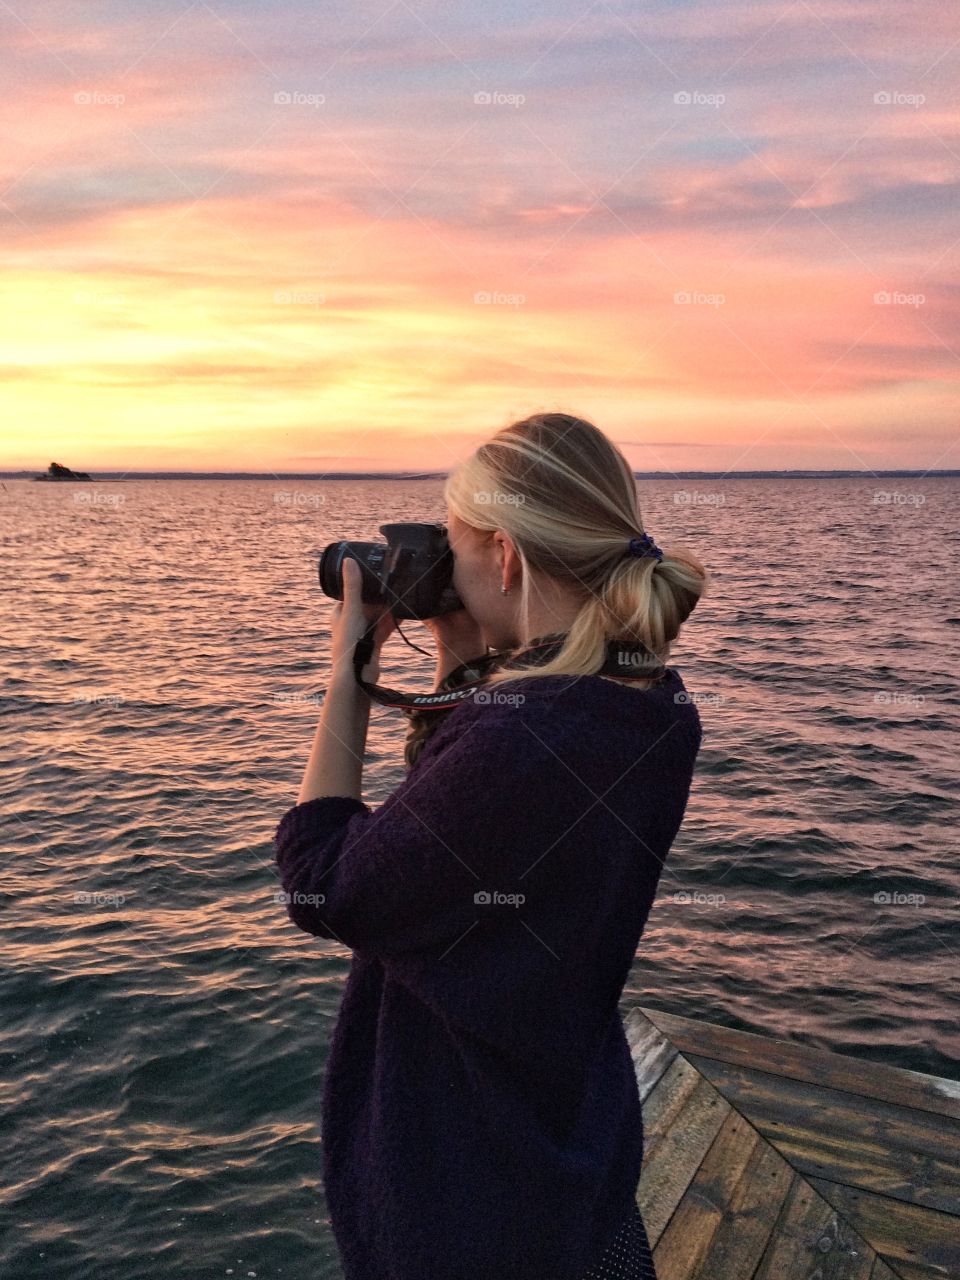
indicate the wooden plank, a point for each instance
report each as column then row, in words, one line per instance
column 901, row 1127
column 912, row 1239
column 752, row 1214
column 815, row 1066
column 723, row 1222
column 810, row 1239
column 882, row 1272
column 908, row 1271
column 679, row 1145
column 843, row 1137
column 650, row 1049
column 866, row 1168
column 911, row 1271
column 768, row 1159
column 667, row 1100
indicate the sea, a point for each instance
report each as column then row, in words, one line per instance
column 165, row 1026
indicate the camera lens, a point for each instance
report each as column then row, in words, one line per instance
column 369, row 555
column 329, row 570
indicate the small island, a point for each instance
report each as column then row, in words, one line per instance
column 56, row 472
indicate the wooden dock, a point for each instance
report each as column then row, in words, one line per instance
column 769, row 1160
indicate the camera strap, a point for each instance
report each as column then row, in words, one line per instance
column 624, row 661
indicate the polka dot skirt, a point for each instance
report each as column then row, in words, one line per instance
column 628, row 1256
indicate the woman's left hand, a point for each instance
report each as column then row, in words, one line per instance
column 350, row 619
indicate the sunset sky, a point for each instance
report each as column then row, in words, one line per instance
column 265, row 237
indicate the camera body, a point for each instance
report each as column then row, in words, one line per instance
column 411, row 573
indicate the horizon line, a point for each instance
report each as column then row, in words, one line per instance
column 781, row 473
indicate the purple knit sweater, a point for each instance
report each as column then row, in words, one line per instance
column 481, row 1119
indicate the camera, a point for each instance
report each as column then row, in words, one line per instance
column 411, row 573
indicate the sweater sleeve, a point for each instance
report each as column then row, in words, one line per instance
column 481, row 817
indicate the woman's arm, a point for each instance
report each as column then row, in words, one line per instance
column 335, row 766
column 406, row 875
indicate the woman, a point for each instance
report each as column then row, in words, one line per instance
column 481, row 1119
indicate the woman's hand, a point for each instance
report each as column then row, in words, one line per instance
column 458, row 631
column 349, row 620
column 458, row 638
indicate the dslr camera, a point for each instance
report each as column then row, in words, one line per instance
column 410, row 573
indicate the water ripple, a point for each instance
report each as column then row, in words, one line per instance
column 166, row 1028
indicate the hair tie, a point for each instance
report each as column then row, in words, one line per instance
column 644, row 546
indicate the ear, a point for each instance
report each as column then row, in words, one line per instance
column 506, row 549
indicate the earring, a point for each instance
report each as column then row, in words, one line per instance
column 503, row 589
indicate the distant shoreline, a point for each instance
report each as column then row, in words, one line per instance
column 120, row 476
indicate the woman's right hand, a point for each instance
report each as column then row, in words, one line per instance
column 458, row 637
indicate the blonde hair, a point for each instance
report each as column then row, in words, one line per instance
column 568, row 498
